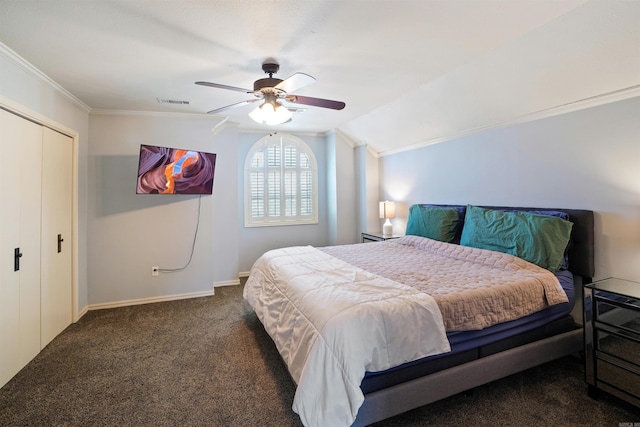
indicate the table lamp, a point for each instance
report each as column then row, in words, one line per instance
column 387, row 210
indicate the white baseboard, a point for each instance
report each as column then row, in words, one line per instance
column 163, row 298
column 125, row 303
column 227, row 283
column 243, row 274
column 151, row 300
column 82, row 313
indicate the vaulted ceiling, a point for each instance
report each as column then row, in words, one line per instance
column 410, row 72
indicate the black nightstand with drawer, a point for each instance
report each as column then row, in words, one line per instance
column 612, row 338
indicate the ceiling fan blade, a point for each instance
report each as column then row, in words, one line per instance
column 316, row 102
column 229, row 107
column 295, row 82
column 219, row 86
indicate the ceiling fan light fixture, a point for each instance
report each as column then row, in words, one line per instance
column 271, row 113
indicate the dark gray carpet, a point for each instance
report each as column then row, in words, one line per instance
column 208, row 362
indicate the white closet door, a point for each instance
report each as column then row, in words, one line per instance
column 20, row 213
column 57, row 179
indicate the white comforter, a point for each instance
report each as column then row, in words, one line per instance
column 332, row 322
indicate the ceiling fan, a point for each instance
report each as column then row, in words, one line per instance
column 271, row 90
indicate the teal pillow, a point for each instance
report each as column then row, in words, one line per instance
column 432, row 222
column 539, row 239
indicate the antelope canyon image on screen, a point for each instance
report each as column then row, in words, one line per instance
column 163, row 170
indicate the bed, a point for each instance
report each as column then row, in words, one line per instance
column 368, row 331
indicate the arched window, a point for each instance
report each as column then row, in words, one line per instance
column 281, row 183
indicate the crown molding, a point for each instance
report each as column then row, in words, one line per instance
column 224, row 124
column 344, row 137
column 373, row 152
column 33, row 71
column 581, row 104
column 109, row 112
column 34, row 116
column 353, row 143
column 253, row 130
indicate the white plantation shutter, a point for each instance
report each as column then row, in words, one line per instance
column 290, row 193
column 273, row 190
column 280, row 183
column 306, row 193
column 256, row 179
column 257, row 194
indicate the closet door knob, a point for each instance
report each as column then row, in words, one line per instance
column 16, row 259
column 60, row 240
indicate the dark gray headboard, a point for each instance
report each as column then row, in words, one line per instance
column 581, row 250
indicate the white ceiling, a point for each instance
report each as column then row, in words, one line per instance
column 410, row 72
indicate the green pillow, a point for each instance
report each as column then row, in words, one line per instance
column 432, row 222
column 539, row 239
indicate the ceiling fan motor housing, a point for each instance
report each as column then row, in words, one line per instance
column 269, row 82
column 266, row 82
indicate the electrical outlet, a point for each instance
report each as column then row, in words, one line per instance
column 155, row 270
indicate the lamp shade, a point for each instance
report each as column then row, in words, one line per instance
column 387, row 209
column 271, row 112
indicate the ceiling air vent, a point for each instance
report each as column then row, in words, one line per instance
column 172, row 101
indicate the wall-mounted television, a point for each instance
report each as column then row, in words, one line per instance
column 163, row 170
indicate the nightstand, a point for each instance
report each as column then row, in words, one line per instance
column 612, row 338
column 377, row 236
